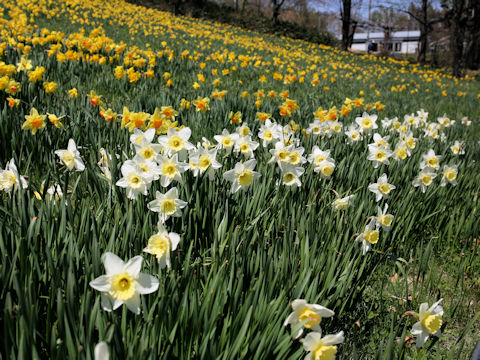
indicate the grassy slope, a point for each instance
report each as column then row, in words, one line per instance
column 242, row 258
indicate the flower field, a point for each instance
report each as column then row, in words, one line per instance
column 178, row 189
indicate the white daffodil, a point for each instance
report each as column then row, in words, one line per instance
column 226, row 140
column 315, row 128
column 378, row 155
column 317, row 156
column 367, row 122
column 149, row 168
column 161, row 244
column 430, row 160
column 281, row 152
column 410, row 141
column 384, row 219
column 310, row 315
column 10, row 178
column 381, row 141
column 458, row 148
column 353, row 133
column 171, row 169
column 430, row 322
column 449, row 175
column 369, row 237
column 71, row 157
column 101, row 351
column 132, row 180
column 269, row 132
column 139, row 136
column 387, row 123
column 167, row 204
column 343, row 203
column 296, row 156
column 246, row 146
column 411, row 120
column 381, row 188
column 401, row 151
column 147, row 150
column 336, row 127
column 103, row 163
column 203, row 160
column 325, row 168
column 424, row 179
column 243, row 130
column 465, row 121
column 445, row 121
column 322, row 348
column 291, row 174
column 242, row 176
column 123, row 283
column 54, row 192
column 176, row 142
column 423, row 116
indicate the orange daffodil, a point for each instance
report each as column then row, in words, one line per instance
column 34, row 121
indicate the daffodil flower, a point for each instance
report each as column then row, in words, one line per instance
column 132, row 180
column 322, row 348
column 369, row 237
column 381, row 188
column 291, row 174
column 430, row 161
column 343, row 203
column 71, row 157
column 161, row 244
column 310, row 315
column 123, row 283
column 424, row 179
column 10, row 178
column 242, row 176
column 167, row 204
column 226, row 140
column 450, row 174
column 430, row 322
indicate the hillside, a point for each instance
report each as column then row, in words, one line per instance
column 238, row 172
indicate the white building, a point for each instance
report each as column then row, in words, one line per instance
column 402, row 42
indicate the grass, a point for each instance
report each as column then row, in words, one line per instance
column 242, row 257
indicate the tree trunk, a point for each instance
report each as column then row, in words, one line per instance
column 423, row 43
column 353, row 27
column 387, row 40
column 472, row 50
column 346, row 22
column 458, row 37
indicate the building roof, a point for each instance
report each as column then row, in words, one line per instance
column 396, row 35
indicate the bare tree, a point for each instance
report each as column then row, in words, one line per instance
column 422, row 15
column 349, row 25
column 277, row 5
column 461, row 15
